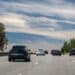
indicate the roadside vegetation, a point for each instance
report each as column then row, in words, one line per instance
column 3, row 38
column 68, row 45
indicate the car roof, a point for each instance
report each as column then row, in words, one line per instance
column 19, row 46
column 55, row 50
column 40, row 49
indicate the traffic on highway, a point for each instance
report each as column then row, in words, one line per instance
column 22, row 52
column 39, row 65
column 37, row 37
column 20, row 61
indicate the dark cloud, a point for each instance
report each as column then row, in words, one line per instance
column 36, row 9
column 66, row 26
column 70, row 1
column 29, row 1
column 18, row 37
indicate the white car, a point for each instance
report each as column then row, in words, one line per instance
column 40, row 52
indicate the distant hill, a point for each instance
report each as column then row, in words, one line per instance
column 15, row 37
column 32, row 41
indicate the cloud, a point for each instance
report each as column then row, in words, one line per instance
column 35, row 18
column 13, row 22
column 66, row 11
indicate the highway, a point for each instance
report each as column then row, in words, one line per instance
column 40, row 65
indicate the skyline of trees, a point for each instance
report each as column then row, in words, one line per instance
column 68, row 45
column 3, row 38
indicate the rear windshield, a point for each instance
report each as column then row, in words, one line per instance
column 18, row 51
column 18, row 47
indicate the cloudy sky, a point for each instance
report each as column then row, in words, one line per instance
column 39, row 23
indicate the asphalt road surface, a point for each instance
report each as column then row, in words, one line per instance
column 40, row 65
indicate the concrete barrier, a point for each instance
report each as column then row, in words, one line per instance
column 3, row 53
column 6, row 53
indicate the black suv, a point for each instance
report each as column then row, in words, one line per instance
column 56, row 52
column 72, row 52
column 18, row 52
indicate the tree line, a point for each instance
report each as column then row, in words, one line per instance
column 3, row 38
column 68, row 45
column 4, row 41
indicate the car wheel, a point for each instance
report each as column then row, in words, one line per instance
column 28, row 59
column 9, row 59
column 59, row 54
column 13, row 60
column 36, row 54
column 69, row 54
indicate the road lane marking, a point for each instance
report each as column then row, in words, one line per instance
column 36, row 63
column 73, row 60
column 20, row 73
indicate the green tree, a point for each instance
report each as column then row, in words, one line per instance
column 68, row 45
column 65, row 47
column 72, row 43
column 3, row 39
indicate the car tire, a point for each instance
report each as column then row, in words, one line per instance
column 59, row 54
column 13, row 60
column 28, row 59
column 36, row 54
column 69, row 54
column 9, row 59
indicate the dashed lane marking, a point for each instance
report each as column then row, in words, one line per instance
column 73, row 60
column 36, row 63
column 20, row 74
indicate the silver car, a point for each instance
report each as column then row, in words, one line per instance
column 40, row 52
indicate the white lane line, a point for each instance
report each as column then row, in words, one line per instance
column 20, row 74
column 73, row 60
column 36, row 63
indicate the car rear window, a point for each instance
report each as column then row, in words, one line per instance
column 18, row 51
column 18, row 47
